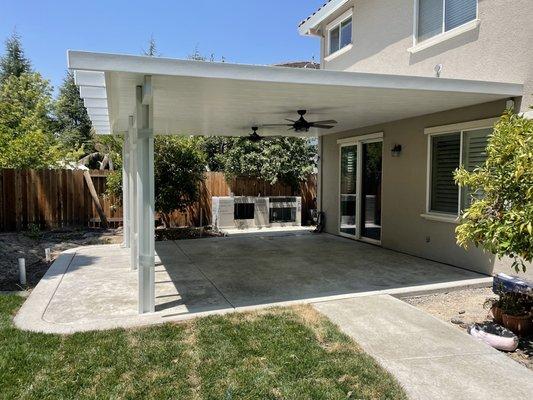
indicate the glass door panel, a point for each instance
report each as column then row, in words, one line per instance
column 348, row 193
column 371, row 190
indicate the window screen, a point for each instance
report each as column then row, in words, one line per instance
column 445, row 158
column 459, row 12
column 438, row 16
column 334, row 35
column 346, row 33
column 474, row 156
column 429, row 18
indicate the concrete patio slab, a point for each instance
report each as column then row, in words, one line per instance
column 93, row 287
column 430, row 359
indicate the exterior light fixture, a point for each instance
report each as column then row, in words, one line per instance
column 396, row 150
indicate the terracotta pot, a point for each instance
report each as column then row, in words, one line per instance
column 521, row 325
column 497, row 314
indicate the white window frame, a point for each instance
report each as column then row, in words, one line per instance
column 356, row 141
column 431, row 132
column 334, row 24
column 444, row 35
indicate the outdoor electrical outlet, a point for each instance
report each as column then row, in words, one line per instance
column 428, row 239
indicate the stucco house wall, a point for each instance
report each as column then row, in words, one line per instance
column 499, row 49
column 404, row 188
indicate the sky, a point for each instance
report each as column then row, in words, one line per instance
column 241, row 31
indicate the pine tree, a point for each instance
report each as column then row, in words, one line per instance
column 74, row 125
column 14, row 62
column 152, row 48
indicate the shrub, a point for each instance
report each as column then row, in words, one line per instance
column 500, row 220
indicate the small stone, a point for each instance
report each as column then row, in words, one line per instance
column 457, row 321
column 462, row 312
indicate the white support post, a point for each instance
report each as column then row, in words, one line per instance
column 132, row 184
column 126, row 217
column 145, row 204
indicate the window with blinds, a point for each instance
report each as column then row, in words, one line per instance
column 444, row 161
column 474, row 156
column 446, row 156
column 439, row 16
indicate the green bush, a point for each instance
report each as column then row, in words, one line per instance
column 500, row 221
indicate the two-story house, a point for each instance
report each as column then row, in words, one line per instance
column 409, row 90
column 392, row 183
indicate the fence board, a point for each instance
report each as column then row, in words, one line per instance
column 60, row 198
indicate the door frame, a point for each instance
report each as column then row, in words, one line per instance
column 357, row 141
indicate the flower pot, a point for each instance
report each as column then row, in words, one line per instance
column 519, row 324
column 497, row 314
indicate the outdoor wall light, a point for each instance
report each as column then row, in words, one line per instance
column 396, row 150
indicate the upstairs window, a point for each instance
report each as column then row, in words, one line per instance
column 340, row 35
column 439, row 16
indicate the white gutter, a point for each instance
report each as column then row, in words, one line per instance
column 308, row 27
column 143, row 65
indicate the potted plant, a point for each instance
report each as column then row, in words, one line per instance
column 516, row 312
column 493, row 304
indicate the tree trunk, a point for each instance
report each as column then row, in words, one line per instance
column 88, row 180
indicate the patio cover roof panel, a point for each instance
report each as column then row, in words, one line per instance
column 191, row 97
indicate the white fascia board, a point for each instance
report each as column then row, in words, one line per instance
column 89, row 78
column 99, row 119
column 95, row 103
column 143, row 65
column 310, row 25
column 93, row 92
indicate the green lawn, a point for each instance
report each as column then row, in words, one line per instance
column 289, row 353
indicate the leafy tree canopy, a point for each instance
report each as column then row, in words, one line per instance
column 26, row 138
column 285, row 159
column 179, row 167
column 500, row 217
column 13, row 62
column 73, row 123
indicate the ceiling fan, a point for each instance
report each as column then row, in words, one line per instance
column 302, row 125
column 254, row 136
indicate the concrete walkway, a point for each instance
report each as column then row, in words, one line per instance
column 430, row 358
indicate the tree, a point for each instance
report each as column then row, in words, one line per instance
column 500, row 217
column 214, row 148
column 286, row 159
column 26, row 134
column 73, row 123
column 151, row 51
column 178, row 171
column 13, row 62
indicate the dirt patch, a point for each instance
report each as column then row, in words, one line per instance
column 463, row 308
column 32, row 245
column 162, row 234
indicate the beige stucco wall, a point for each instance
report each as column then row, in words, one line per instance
column 404, row 188
column 500, row 49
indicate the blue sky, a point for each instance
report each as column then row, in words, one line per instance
column 242, row 31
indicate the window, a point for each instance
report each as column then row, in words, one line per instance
column 447, row 152
column 439, row 16
column 340, row 35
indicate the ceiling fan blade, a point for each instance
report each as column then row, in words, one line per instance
column 327, row 121
column 273, row 125
column 320, row 126
column 290, row 120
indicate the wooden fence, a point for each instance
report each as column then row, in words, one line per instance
column 60, row 198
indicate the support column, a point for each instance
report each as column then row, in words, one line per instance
column 145, row 204
column 125, row 191
column 132, row 185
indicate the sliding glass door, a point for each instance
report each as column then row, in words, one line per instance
column 360, row 188
column 348, row 192
column 371, row 191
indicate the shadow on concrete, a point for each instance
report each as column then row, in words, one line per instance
column 235, row 272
